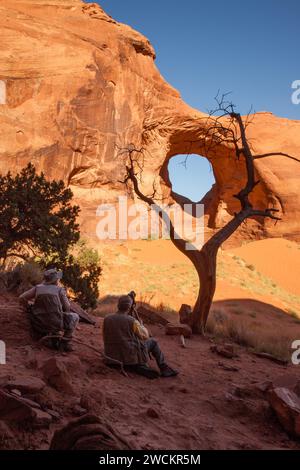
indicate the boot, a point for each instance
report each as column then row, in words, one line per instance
column 144, row 370
column 55, row 343
column 67, row 346
column 167, row 371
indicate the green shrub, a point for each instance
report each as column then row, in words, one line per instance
column 36, row 216
column 30, row 273
column 81, row 273
column 38, row 224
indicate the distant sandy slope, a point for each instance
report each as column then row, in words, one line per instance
column 267, row 271
column 276, row 258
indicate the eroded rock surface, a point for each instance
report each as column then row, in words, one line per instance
column 81, row 86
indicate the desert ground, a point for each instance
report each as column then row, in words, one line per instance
column 265, row 271
column 216, row 402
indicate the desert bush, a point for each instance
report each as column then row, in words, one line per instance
column 81, row 273
column 38, row 224
column 30, row 273
column 22, row 276
column 36, row 216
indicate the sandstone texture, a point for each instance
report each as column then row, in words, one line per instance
column 286, row 405
column 80, row 87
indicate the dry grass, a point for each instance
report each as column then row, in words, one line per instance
column 239, row 331
column 30, row 273
column 109, row 304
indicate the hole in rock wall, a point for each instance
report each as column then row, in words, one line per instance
column 191, row 176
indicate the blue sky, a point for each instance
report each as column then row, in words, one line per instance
column 248, row 48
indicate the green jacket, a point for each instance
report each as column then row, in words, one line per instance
column 120, row 341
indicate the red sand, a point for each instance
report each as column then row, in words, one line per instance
column 277, row 258
column 197, row 410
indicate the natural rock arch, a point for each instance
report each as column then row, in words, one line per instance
column 69, row 113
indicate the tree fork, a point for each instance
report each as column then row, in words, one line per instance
column 205, row 260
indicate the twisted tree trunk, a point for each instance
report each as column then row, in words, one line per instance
column 205, row 260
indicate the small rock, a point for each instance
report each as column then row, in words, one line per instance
column 286, row 380
column 16, row 392
column 227, row 350
column 270, row 357
column 26, row 384
column 56, row 374
column 79, row 411
column 151, row 317
column 264, row 386
column 15, row 408
column 228, row 368
column 249, row 391
column 297, row 388
column 41, row 418
column 152, row 413
column 55, row 415
column 83, row 315
column 91, row 403
column 286, row 405
column 178, row 329
column 185, row 313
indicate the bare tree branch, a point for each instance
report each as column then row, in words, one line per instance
column 219, row 132
column 272, row 154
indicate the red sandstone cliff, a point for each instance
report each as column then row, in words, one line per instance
column 79, row 84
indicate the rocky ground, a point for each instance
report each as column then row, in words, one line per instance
column 218, row 401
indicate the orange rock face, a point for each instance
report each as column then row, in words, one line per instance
column 80, row 86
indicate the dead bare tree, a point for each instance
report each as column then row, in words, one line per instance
column 228, row 127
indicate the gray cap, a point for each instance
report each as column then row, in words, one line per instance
column 52, row 275
column 124, row 303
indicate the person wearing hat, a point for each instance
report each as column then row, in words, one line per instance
column 127, row 341
column 51, row 312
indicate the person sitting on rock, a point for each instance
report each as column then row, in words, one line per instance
column 50, row 312
column 127, row 341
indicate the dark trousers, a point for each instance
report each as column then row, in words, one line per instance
column 154, row 350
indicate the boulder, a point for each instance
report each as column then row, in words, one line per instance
column 30, row 385
column 88, row 432
column 57, row 375
column 151, row 317
column 178, row 329
column 83, row 315
column 185, row 313
column 70, row 123
column 286, row 405
column 15, row 408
